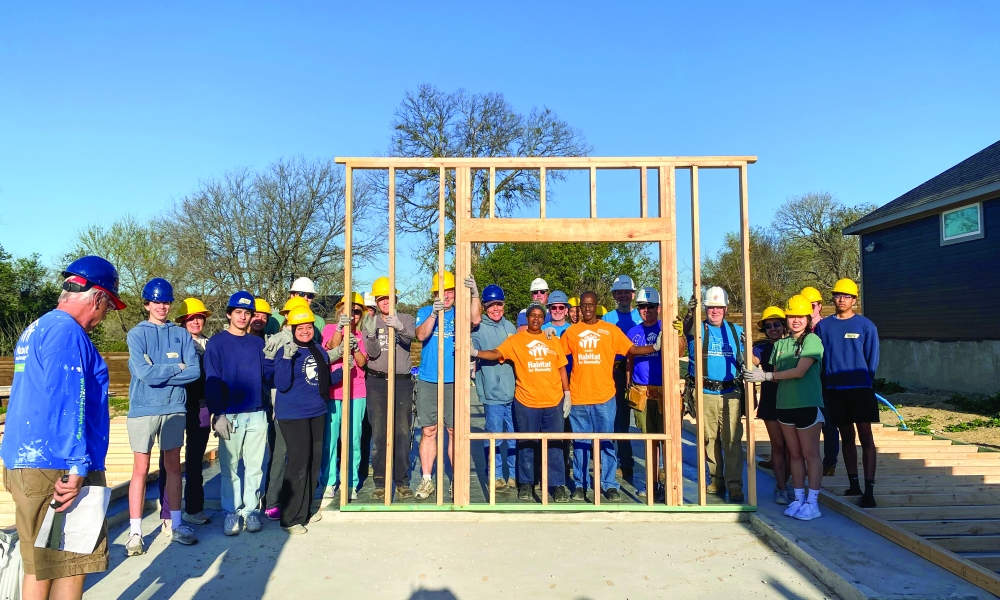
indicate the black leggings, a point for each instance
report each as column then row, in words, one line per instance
column 304, row 448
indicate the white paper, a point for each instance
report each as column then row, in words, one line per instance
column 84, row 521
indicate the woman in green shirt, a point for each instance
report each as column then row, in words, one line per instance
column 797, row 360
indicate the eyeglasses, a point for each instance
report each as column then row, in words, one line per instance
column 539, row 292
column 648, row 306
column 840, row 296
column 306, row 295
column 557, row 307
column 773, row 325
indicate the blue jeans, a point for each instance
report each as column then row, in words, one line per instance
column 248, row 442
column 500, row 419
column 534, row 420
column 594, row 418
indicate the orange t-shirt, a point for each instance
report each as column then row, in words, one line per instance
column 593, row 348
column 536, row 361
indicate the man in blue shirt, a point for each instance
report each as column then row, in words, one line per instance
column 625, row 318
column 56, row 434
column 722, row 343
column 850, row 358
column 645, row 373
column 443, row 310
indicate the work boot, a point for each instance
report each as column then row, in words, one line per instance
column 524, row 492
column 378, row 493
column 561, row 494
column 500, row 485
column 715, row 488
column 830, row 471
column 579, row 495
column 511, row 484
column 613, row 495
column 403, row 492
column 736, row 497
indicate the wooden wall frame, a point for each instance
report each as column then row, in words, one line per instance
column 468, row 230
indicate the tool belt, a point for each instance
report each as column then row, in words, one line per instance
column 719, row 386
column 640, row 395
column 381, row 375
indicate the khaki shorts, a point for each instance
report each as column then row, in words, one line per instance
column 143, row 431
column 427, row 404
column 647, row 402
column 32, row 490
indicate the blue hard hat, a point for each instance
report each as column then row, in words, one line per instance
column 158, row 290
column 241, row 299
column 94, row 271
column 558, row 297
column 492, row 293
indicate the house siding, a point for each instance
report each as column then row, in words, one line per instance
column 916, row 289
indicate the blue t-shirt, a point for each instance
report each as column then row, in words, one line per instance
column 722, row 354
column 58, row 412
column 647, row 369
column 850, row 352
column 559, row 328
column 296, row 382
column 522, row 318
column 624, row 321
column 429, row 350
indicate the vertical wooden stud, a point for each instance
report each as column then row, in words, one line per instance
column 650, row 478
column 699, row 369
column 747, row 322
column 670, row 353
column 440, row 339
column 493, row 192
column 391, row 335
column 593, row 192
column 597, row 471
column 345, row 404
column 643, row 198
column 461, row 465
column 493, row 471
column 541, row 192
column 545, row 472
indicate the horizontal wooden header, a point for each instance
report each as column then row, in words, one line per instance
column 565, row 230
column 549, row 162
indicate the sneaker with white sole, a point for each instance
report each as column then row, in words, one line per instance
column 425, row 489
column 133, row 547
column 253, row 522
column 231, row 526
column 198, row 518
column 183, row 535
column 780, row 497
column 296, row 529
column 808, row 512
column 330, row 491
column 354, row 494
column 793, row 508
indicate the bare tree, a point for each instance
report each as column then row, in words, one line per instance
column 260, row 231
column 432, row 123
column 812, row 225
column 771, row 282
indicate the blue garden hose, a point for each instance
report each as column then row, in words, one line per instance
column 893, row 409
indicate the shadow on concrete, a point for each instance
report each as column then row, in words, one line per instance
column 442, row 594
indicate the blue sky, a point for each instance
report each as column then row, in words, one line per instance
column 106, row 110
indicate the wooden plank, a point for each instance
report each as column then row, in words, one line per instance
column 672, row 455
column 345, row 416
column 747, row 326
column 566, row 230
column 549, row 162
column 593, row 192
column 391, row 333
column 463, row 342
column 968, row 543
column 545, row 472
column 493, row 192
column 440, row 339
column 952, row 527
column 963, row 567
column 889, row 489
column 936, row 513
column 699, row 369
column 936, row 499
column 990, row 561
column 493, row 472
column 643, row 211
column 541, row 193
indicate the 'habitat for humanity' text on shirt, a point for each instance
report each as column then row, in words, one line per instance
column 593, row 348
column 536, row 360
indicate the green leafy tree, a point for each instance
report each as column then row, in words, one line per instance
column 771, row 279
column 26, row 293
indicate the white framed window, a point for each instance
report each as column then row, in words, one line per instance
column 962, row 224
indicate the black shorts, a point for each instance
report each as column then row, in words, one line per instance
column 850, row 406
column 801, row 418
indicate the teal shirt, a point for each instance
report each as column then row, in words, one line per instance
column 807, row 390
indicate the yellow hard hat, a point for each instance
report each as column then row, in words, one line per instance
column 356, row 299
column 380, row 287
column 261, row 305
column 293, row 302
column 299, row 315
column 574, row 301
column 798, row 306
column 449, row 282
column 811, row 294
column 846, row 286
column 192, row 306
column 601, row 311
column 774, row 312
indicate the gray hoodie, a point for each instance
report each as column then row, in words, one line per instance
column 494, row 380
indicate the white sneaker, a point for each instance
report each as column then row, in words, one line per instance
column 354, row 494
column 780, row 497
column 793, row 508
column 133, row 547
column 198, row 518
column 330, row 492
column 184, row 535
column 316, row 516
column 808, row 512
column 253, row 522
column 425, row 489
column 231, row 526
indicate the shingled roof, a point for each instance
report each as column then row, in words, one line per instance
column 979, row 170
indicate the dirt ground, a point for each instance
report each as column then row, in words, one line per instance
column 934, row 405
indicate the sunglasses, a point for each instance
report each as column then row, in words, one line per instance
column 648, row 306
column 773, row 325
column 356, row 312
column 539, row 292
column 557, row 307
column 306, row 295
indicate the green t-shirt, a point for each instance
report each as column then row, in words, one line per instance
column 807, row 390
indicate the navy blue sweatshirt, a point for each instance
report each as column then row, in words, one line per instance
column 234, row 373
column 850, row 352
column 297, row 384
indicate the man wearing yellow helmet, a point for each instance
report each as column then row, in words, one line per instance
column 574, row 310
column 852, row 354
column 304, row 288
column 442, row 310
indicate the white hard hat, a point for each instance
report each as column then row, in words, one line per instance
column 716, row 296
column 647, row 295
column 623, row 282
column 538, row 285
column 369, row 300
column 303, row 284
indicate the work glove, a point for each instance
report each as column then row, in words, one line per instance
column 473, row 352
column 368, row 325
column 678, row 324
column 567, row 404
column 335, row 353
column 656, row 344
column 438, row 305
column 393, row 321
column 290, row 350
column 353, row 343
column 470, row 282
column 551, row 333
column 743, row 338
column 222, row 427
column 693, row 303
column 757, row 375
column 349, row 362
column 344, row 321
